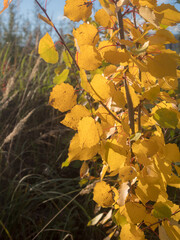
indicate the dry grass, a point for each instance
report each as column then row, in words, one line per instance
column 33, row 187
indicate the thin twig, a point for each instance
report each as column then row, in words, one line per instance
column 58, row 33
column 128, row 96
column 130, row 106
column 139, row 117
column 160, row 221
column 121, row 25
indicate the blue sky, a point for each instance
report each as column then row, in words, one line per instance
column 55, row 8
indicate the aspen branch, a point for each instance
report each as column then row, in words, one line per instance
column 160, row 221
column 130, row 106
column 58, row 33
column 128, row 96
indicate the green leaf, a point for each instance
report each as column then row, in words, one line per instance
column 161, row 210
column 166, row 118
column 135, row 136
column 83, row 182
column 120, row 219
column 61, row 77
column 65, row 163
column 67, row 58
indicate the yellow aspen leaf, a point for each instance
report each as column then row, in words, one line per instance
column 162, row 105
column 126, row 42
column 131, row 232
column 108, row 6
column 107, row 217
column 167, row 14
column 78, row 10
column 149, row 219
column 107, row 121
column 67, row 58
column 162, row 36
column 109, row 70
column 111, row 54
column 140, row 64
column 135, row 212
column 146, row 192
column 89, row 58
column 150, row 174
column 147, row 79
column 149, row 15
column 103, row 171
column 120, row 3
column 63, row 97
column 86, row 34
column 152, row 93
column 119, row 98
column 162, row 233
column 123, row 192
column 88, row 132
column 100, row 87
column 148, row 3
column 47, row 49
column 168, row 83
column 172, row 229
column 72, row 119
column 172, row 153
column 173, row 180
column 84, row 82
column 175, row 209
column 127, row 173
column 103, row 18
column 84, row 170
column 162, row 65
column 148, row 147
column 103, row 194
column 95, row 220
column 137, row 36
column 46, row 20
column 134, row 96
column 5, row 5
column 116, row 155
column 75, row 152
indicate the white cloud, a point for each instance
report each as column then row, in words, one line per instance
column 61, row 17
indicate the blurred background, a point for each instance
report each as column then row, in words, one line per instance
column 33, row 186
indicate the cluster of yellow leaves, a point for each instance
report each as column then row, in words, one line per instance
column 136, row 167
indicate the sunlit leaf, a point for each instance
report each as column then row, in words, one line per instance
column 88, row 132
column 47, row 49
column 72, row 119
column 62, row 77
column 78, row 10
column 103, row 194
column 63, row 97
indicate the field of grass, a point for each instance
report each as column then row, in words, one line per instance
column 33, row 187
